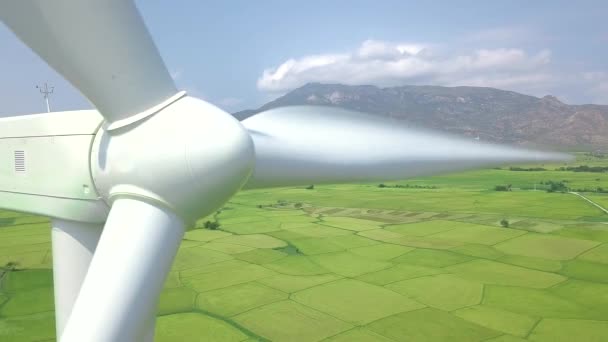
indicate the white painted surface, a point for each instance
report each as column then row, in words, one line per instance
column 51, row 175
column 93, row 211
column 73, row 247
column 126, row 275
column 189, row 151
column 56, row 166
column 76, row 122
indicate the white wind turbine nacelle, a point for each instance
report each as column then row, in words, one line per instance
column 160, row 159
column 190, row 157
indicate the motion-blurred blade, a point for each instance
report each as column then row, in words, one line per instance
column 119, row 295
column 311, row 145
column 102, row 47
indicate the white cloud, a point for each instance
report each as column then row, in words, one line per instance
column 388, row 63
column 371, row 49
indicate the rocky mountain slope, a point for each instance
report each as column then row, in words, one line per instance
column 490, row 114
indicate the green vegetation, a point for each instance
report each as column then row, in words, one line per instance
column 502, row 187
column 431, row 324
column 213, row 225
column 499, row 320
column 406, row 186
column 443, row 291
column 429, row 260
column 584, row 168
column 556, row 186
column 291, row 321
column 517, row 168
column 570, row 330
column 355, row 301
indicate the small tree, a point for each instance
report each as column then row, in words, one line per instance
column 504, row 223
column 310, row 187
column 556, row 186
column 213, row 225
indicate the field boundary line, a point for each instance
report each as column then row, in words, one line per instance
column 590, row 201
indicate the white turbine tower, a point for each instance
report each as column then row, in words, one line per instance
column 121, row 183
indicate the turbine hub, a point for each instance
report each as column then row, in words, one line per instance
column 190, row 157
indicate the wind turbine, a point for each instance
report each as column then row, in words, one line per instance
column 122, row 182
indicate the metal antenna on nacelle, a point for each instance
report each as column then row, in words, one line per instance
column 46, row 92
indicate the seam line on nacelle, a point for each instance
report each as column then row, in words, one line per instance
column 52, row 196
column 45, row 136
column 146, row 113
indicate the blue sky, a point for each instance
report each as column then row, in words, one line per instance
column 241, row 54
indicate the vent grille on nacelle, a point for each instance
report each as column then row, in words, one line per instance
column 19, row 161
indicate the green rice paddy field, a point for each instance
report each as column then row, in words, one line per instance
column 359, row 262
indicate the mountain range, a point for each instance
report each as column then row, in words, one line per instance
column 487, row 114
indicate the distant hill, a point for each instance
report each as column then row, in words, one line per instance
column 491, row 114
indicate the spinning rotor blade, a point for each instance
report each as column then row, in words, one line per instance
column 311, row 144
column 102, row 47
